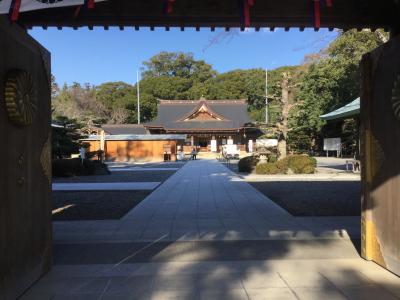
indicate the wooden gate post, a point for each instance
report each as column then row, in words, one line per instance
column 380, row 148
column 25, row 161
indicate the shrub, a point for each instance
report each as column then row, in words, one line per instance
column 74, row 167
column 247, row 164
column 94, row 155
column 65, row 138
column 88, row 167
column 267, row 168
column 314, row 160
column 272, row 158
column 66, row 167
column 308, row 169
column 301, row 164
column 283, row 165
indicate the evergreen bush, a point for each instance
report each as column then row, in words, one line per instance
column 75, row 167
column 267, row 168
column 283, row 165
column 247, row 164
column 301, row 164
column 272, row 158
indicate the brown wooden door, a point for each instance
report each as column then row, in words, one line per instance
column 380, row 114
column 25, row 166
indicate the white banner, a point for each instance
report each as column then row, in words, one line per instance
column 250, row 146
column 27, row 5
column 213, row 145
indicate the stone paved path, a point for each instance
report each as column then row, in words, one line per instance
column 207, row 234
column 206, row 201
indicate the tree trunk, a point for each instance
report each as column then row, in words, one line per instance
column 283, row 124
column 282, row 147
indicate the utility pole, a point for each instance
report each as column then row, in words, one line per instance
column 138, row 97
column 266, row 96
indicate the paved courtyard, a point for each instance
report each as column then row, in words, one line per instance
column 207, row 234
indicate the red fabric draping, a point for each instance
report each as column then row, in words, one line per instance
column 14, row 9
column 317, row 14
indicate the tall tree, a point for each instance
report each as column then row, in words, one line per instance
column 177, row 64
column 330, row 80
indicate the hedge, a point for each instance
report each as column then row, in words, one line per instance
column 298, row 164
column 75, row 167
column 301, row 164
column 247, row 164
column 267, row 168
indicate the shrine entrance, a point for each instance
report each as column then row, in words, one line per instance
column 25, row 205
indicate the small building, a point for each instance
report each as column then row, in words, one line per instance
column 136, row 147
column 208, row 124
column 348, row 111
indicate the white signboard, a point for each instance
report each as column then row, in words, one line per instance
column 332, row 144
column 213, row 145
column 267, row 143
column 231, row 149
column 230, row 142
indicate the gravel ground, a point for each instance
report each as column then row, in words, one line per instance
column 147, row 165
column 135, row 176
column 94, row 205
column 314, row 198
column 103, row 205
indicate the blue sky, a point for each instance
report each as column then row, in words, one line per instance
column 99, row 56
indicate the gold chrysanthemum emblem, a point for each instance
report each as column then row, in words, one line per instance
column 396, row 97
column 20, row 97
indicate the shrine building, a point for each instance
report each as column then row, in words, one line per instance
column 207, row 124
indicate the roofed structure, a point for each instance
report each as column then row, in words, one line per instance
column 200, row 115
column 137, row 137
column 209, row 124
column 349, row 110
column 116, row 129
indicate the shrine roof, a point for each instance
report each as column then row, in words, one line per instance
column 175, row 115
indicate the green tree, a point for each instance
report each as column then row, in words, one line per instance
column 329, row 81
column 177, row 64
column 65, row 137
column 250, row 85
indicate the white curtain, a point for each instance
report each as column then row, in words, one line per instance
column 27, row 5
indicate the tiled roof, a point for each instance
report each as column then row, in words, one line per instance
column 171, row 115
column 124, row 129
column 349, row 110
column 137, row 137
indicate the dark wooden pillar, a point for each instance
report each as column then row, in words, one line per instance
column 380, row 148
column 25, row 166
